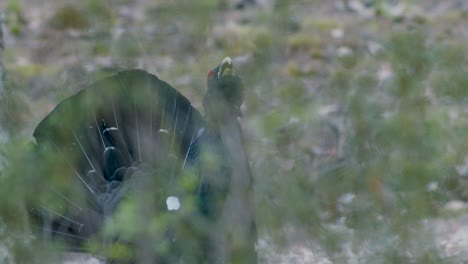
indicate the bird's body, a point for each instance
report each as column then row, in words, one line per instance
column 118, row 152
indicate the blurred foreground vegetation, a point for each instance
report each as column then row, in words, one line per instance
column 356, row 118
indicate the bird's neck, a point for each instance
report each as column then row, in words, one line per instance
column 231, row 135
column 235, row 234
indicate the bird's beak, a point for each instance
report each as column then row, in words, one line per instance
column 225, row 68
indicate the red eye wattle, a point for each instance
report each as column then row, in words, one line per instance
column 211, row 74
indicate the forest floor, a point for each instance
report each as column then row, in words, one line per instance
column 53, row 48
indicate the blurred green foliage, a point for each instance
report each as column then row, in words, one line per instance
column 398, row 125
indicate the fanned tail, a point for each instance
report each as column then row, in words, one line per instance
column 124, row 136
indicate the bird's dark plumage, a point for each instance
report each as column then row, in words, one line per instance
column 133, row 139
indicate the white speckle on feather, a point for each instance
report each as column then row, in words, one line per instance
column 109, row 149
column 163, row 131
column 109, row 129
column 200, row 132
column 172, row 203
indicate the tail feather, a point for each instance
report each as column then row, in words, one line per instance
column 101, row 139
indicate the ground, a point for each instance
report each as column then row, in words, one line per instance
column 305, row 62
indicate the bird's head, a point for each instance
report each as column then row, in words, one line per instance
column 225, row 90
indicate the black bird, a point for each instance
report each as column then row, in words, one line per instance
column 138, row 175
